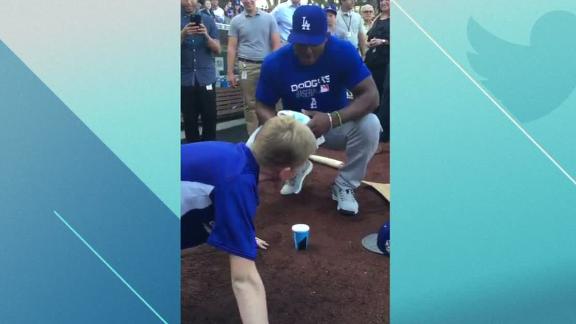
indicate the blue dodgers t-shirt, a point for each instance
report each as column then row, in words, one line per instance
column 321, row 86
column 228, row 173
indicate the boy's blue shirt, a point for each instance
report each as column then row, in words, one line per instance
column 321, row 86
column 231, row 171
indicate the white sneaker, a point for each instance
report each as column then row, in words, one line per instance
column 347, row 203
column 294, row 185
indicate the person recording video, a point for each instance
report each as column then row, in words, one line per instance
column 199, row 43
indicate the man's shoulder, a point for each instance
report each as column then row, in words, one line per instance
column 282, row 6
column 352, row 13
column 265, row 14
column 278, row 56
column 206, row 17
column 237, row 19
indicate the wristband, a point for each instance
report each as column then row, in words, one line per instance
column 339, row 118
column 330, row 118
column 332, row 114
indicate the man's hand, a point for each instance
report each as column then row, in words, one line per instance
column 262, row 244
column 188, row 30
column 319, row 122
column 232, row 80
column 200, row 30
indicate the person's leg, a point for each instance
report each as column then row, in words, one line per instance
column 383, row 111
column 361, row 144
column 208, row 112
column 195, row 227
column 251, row 72
column 378, row 74
column 189, row 110
column 294, row 185
column 360, row 139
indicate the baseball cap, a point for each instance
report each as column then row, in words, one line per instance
column 383, row 239
column 309, row 26
column 331, row 8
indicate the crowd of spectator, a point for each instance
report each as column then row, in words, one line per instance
column 368, row 30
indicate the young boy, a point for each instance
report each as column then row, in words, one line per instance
column 219, row 183
column 333, row 28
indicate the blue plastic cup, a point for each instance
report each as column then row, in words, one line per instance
column 301, row 236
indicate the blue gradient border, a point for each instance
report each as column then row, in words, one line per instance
column 84, row 238
column 483, row 219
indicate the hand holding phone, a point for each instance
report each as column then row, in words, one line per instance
column 196, row 19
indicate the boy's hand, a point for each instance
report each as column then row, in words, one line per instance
column 262, row 244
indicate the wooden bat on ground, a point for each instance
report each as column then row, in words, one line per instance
column 382, row 188
column 327, row 161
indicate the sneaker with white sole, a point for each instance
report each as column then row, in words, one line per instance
column 294, row 185
column 347, row 203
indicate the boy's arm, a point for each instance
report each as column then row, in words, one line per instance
column 249, row 290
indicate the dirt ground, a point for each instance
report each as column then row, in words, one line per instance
column 334, row 281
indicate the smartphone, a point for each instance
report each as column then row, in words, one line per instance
column 196, row 19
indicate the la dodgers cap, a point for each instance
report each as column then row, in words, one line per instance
column 309, row 26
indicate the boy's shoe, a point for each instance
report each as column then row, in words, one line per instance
column 294, row 185
column 347, row 203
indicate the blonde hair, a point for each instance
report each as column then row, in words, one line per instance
column 283, row 142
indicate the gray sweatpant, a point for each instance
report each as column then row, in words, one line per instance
column 360, row 140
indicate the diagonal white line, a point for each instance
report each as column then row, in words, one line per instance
column 110, row 267
column 500, row 107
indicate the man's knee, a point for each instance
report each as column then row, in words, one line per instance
column 368, row 127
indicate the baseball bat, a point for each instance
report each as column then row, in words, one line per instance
column 327, row 161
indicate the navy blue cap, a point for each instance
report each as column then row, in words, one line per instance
column 309, row 26
column 383, row 239
column 331, row 8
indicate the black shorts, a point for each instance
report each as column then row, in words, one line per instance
column 195, row 227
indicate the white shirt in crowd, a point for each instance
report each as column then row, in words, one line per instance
column 283, row 14
column 219, row 12
column 352, row 24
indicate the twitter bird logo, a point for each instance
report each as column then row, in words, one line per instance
column 530, row 80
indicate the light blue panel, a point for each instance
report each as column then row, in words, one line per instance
column 52, row 162
column 116, row 65
column 484, row 222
